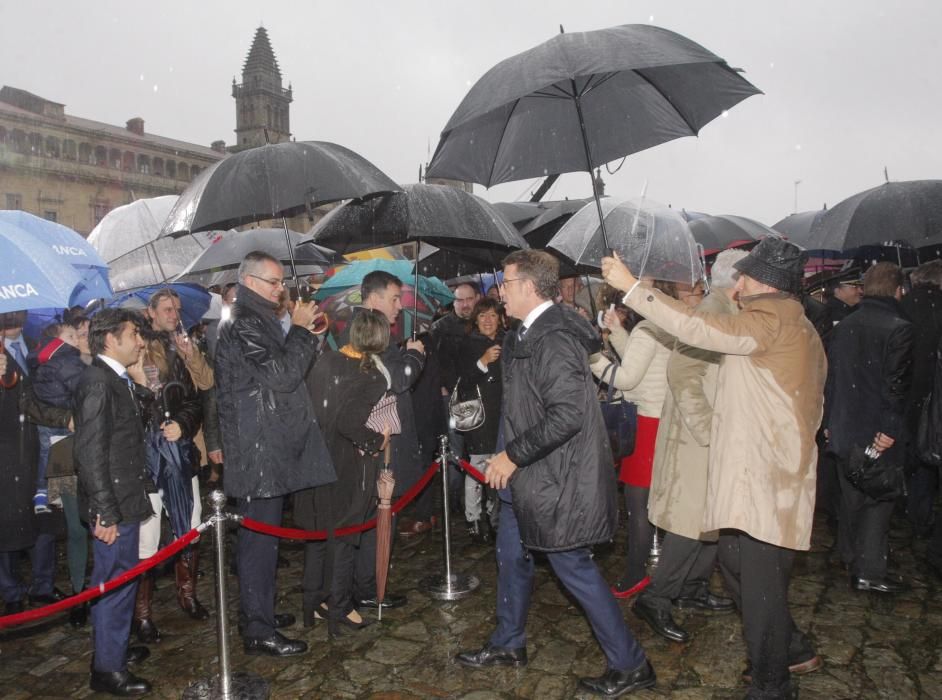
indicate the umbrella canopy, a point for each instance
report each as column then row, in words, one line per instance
column 895, row 211
column 716, row 233
column 127, row 239
column 797, row 227
column 580, row 100
column 352, row 275
column 194, row 300
column 227, row 251
column 519, row 213
column 273, row 181
column 444, row 216
column 71, row 248
column 32, row 276
column 541, row 229
column 652, row 239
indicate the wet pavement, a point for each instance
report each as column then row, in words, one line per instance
column 873, row 646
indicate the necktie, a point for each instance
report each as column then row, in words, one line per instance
column 523, row 332
column 16, row 349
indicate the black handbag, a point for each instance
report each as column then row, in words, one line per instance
column 466, row 416
column 621, row 419
column 875, row 477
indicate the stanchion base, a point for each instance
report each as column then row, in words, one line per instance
column 458, row 586
column 242, row 686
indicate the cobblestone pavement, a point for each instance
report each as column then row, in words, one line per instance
column 873, row 647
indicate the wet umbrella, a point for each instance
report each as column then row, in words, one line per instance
column 274, row 181
column 541, row 229
column 385, row 484
column 169, row 471
column 797, row 227
column 127, row 239
column 71, row 248
column 228, row 250
column 32, row 276
column 520, row 213
column 652, row 239
column 581, row 100
column 895, row 211
column 194, row 300
column 722, row 231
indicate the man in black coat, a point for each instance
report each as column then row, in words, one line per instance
column 108, row 450
column 270, row 437
column 843, row 298
column 922, row 306
column 557, row 464
column 869, row 371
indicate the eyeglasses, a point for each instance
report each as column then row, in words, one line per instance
column 273, row 283
column 515, row 279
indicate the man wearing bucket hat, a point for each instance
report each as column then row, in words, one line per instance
column 762, row 462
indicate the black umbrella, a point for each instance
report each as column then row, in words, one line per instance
column 797, row 227
column 447, row 217
column 716, row 233
column 541, row 230
column 273, row 181
column 581, row 100
column 895, row 211
column 520, row 213
column 228, row 251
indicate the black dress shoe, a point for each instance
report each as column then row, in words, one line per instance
column 275, row 645
column 390, row 600
column 660, row 621
column 882, row 585
column 613, row 684
column 47, row 598
column 283, row 620
column 492, row 656
column 146, row 631
column 13, row 608
column 708, row 602
column 137, row 654
column 121, row 683
column 78, row 615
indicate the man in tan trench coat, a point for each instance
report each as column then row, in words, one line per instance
column 769, row 401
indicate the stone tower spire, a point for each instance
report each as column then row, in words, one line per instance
column 261, row 101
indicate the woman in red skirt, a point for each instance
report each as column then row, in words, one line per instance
column 641, row 376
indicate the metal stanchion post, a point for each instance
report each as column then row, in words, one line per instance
column 449, row 586
column 224, row 686
column 654, row 555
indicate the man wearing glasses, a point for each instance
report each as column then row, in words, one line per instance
column 270, row 437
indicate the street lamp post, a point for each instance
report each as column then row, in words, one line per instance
column 797, row 182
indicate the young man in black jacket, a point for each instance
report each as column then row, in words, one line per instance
column 113, row 484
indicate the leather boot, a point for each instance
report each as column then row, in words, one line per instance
column 142, row 625
column 185, row 574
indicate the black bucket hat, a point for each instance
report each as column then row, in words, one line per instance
column 777, row 263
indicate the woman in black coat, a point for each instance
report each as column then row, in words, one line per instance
column 345, row 386
column 479, row 370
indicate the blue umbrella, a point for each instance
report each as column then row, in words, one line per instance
column 352, row 275
column 194, row 300
column 71, row 248
column 170, row 471
column 32, row 276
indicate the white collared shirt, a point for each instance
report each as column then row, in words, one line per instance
column 535, row 314
column 119, row 369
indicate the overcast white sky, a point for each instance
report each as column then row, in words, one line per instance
column 850, row 86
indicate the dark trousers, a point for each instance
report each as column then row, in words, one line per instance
column 257, row 563
column 922, row 488
column 683, row 570
column 828, row 488
column 43, row 559
column 640, row 535
column 863, row 531
column 757, row 575
column 582, row 579
column 112, row 613
column 329, row 572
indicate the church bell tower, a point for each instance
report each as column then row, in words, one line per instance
column 261, row 102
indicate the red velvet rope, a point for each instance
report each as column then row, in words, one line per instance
column 472, row 472
column 291, row 533
column 96, row 591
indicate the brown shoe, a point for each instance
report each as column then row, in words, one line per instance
column 798, row 669
column 410, row 528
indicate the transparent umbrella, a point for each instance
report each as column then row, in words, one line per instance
column 653, row 240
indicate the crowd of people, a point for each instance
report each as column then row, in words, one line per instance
column 754, row 403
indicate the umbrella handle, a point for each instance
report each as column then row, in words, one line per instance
column 387, row 452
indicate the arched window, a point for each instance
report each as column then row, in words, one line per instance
column 172, row 169
column 85, row 153
column 143, row 164
column 127, row 161
column 114, row 158
column 52, row 147
column 194, row 171
column 68, row 149
column 183, row 171
column 36, row 144
column 159, row 166
column 101, row 156
column 3, row 136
